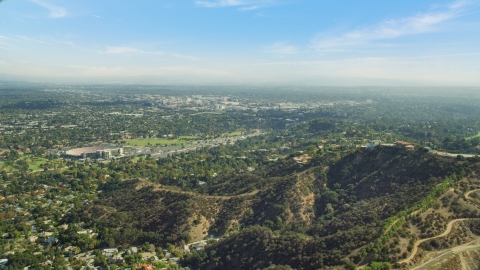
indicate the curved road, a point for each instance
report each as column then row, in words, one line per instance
column 415, row 212
column 467, row 195
column 446, row 232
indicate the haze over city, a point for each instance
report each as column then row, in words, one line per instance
column 429, row 42
column 239, row 134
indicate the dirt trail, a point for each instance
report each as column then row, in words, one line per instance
column 447, row 253
column 156, row 187
column 416, row 211
column 467, row 195
column 463, row 263
column 207, row 196
column 391, row 225
column 446, row 232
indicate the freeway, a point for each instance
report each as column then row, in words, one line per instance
column 204, row 143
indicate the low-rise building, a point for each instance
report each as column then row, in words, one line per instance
column 201, row 245
column 148, row 255
column 371, row 144
column 404, row 145
column 410, row 147
column 109, row 252
column 401, row 144
column 116, row 259
column 131, row 251
column 3, row 262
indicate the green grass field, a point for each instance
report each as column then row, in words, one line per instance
column 153, row 142
column 34, row 163
column 476, row 136
column 232, row 134
column 7, row 168
column 188, row 137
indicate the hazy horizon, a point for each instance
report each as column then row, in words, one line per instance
column 373, row 43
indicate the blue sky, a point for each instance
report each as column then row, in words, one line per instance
column 321, row 42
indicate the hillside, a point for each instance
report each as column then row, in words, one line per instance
column 351, row 199
column 301, row 216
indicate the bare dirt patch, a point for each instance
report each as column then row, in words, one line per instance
column 199, row 228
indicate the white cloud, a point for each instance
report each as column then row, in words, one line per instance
column 129, row 50
column 248, row 8
column 4, row 44
column 184, row 56
column 68, row 43
column 390, row 29
column 244, row 5
column 461, row 3
column 281, row 48
column 219, row 3
column 121, row 50
column 31, row 39
column 132, row 50
column 55, row 11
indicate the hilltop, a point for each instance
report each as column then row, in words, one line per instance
column 309, row 216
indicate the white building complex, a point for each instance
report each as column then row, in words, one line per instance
column 105, row 152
